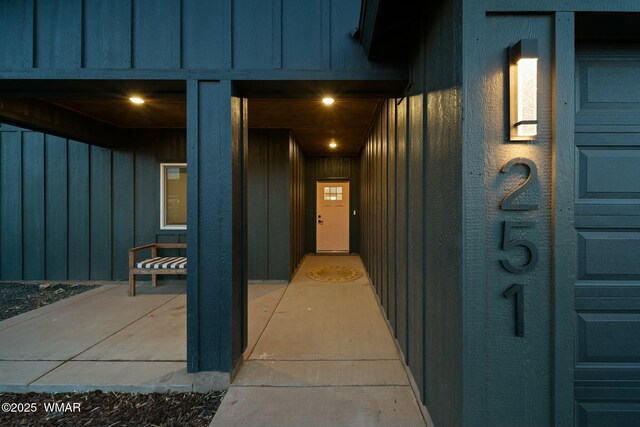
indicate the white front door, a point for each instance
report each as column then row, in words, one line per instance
column 332, row 216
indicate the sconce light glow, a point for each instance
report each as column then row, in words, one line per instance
column 136, row 100
column 523, row 85
column 328, row 100
column 333, row 145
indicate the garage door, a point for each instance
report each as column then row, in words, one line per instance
column 607, row 221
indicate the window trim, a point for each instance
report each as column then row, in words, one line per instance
column 163, row 199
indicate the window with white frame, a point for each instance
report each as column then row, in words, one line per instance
column 173, row 196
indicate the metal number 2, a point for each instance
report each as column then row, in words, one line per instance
column 518, row 291
column 508, row 204
column 508, row 244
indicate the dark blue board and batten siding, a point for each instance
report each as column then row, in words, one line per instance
column 71, row 211
column 411, row 217
column 275, row 204
column 607, row 221
column 172, row 35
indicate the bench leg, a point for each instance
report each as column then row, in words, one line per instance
column 154, row 280
column 132, row 284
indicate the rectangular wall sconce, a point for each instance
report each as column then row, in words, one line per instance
column 523, row 90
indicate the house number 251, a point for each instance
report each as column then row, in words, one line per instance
column 510, row 242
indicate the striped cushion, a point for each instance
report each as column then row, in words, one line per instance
column 164, row 262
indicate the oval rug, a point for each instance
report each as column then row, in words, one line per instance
column 334, row 274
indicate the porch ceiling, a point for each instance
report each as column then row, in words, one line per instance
column 346, row 122
column 295, row 106
column 154, row 113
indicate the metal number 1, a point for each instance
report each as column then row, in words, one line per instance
column 518, row 291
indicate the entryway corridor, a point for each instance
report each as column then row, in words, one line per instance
column 325, row 358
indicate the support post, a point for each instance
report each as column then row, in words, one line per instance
column 215, row 216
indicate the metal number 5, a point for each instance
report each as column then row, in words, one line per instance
column 508, row 243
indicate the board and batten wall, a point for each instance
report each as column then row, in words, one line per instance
column 411, row 174
column 175, row 34
column 325, row 168
column 275, row 204
column 71, row 211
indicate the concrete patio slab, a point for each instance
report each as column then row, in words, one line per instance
column 116, row 376
column 263, row 299
column 321, row 373
column 65, row 332
column 160, row 335
column 12, row 321
column 117, row 342
column 16, row 374
column 388, row 406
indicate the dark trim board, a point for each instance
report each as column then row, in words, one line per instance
column 564, row 237
column 561, row 6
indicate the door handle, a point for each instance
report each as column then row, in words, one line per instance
column 320, row 222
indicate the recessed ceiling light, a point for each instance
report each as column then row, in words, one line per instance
column 136, row 100
column 333, row 145
column 328, row 100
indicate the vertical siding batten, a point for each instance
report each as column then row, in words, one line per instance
column 402, row 236
column 78, row 210
column 123, row 210
column 100, row 214
column 415, row 251
column 473, row 251
column 56, row 196
column 33, row 199
column 11, row 241
column 391, row 212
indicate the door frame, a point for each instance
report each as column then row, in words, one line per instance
column 315, row 216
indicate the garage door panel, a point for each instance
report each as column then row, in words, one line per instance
column 607, row 414
column 609, row 255
column 608, row 337
column 608, row 173
column 608, row 92
column 610, row 82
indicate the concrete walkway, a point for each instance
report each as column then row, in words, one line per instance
column 101, row 340
column 325, row 358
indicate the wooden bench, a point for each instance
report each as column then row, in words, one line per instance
column 156, row 264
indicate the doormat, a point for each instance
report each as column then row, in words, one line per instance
column 334, row 274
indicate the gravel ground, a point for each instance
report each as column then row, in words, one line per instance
column 109, row 409
column 18, row 298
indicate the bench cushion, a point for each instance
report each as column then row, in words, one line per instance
column 163, row 262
